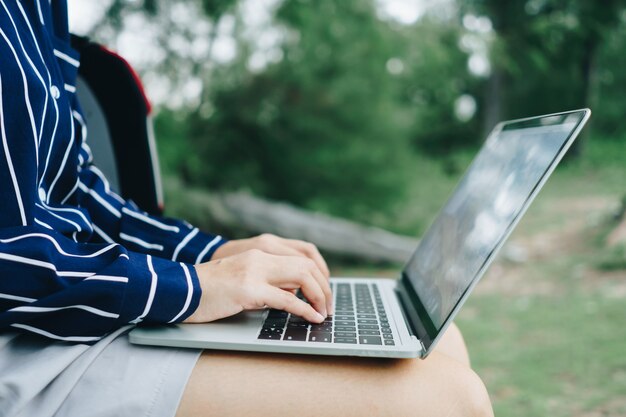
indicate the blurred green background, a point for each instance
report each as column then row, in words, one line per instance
column 371, row 110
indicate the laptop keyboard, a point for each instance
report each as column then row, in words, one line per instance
column 360, row 318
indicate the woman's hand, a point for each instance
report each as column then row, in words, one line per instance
column 254, row 279
column 273, row 245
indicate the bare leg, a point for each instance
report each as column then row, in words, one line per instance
column 453, row 345
column 241, row 384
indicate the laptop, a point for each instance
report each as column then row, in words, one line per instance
column 405, row 317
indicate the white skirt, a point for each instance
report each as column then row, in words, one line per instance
column 113, row 378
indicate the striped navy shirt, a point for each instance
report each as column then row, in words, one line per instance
column 76, row 260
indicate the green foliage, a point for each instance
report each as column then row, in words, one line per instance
column 554, row 54
column 436, row 76
column 323, row 127
column 354, row 108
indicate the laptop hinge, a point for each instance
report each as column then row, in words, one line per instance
column 413, row 326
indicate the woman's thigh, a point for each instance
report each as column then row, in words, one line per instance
column 243, row 383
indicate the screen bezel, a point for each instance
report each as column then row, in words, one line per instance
column 426, row 330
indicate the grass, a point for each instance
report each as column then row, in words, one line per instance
column 547, row 336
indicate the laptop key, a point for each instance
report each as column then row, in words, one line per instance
column 295, row 334
column 368, row 326
column 277, row 314
column 276, row 321
column 297, row 325
column 320, row 337
column 370, row 340
column 272, row 336
column 345, row 340
column 325, row 327
column 386, row 330
column 387, row 336
column 271, row 330
column 389, row 343
column 367, row 321
column 345, row 329
column 369, row 333
column 296, row 319
column 344, row 323
column 345, row 334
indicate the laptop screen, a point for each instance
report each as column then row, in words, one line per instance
column 492, row 195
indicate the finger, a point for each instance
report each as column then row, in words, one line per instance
column 310, row 251
column 324, row 284
column 299, row 272
column 284, row 300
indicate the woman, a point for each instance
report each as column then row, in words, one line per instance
column 80, row 265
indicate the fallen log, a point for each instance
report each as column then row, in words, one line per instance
column 618, row 234
column 242, row 212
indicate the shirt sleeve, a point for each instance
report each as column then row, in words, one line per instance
column 79, row 292
column 117, row 220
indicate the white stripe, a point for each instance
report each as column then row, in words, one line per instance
column 18, row 194
column 44, row 224
column 140, row 242
column 189, row 294
column 28, row 261
column 66, row 209
column 106, row 278
column 60, row 169
column 150, row 220
column 76, row 225
column 42, row 264
column 92, row 310
column 153, row 285
column 57, row 246
column 101, row 233
column 32, row 65
column 100, row 200
column 28, row 106
column 45, row 104
column 52, row 139
column 87, row 149
column 69, row 88
column 208, row 247
column 54, row 336
column 107, row 186
column 72, row 274
column 81, row 121
column 17, row 298
column 65, row 57
column 39, row 12
column 184, row 242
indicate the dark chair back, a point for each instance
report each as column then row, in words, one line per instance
column 118, row 116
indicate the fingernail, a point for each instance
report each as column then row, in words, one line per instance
column 331, row 310
column 320, row 317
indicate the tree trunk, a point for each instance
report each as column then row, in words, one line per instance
column 242, row 213
column 589, row 91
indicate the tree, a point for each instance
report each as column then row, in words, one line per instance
column 321, row 128
column 545, row 56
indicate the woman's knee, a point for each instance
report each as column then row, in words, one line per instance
column 466, row 391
